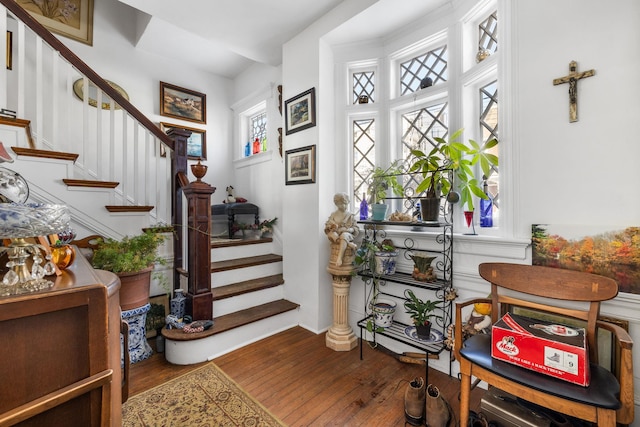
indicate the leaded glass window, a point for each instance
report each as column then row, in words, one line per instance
column 364, row 85
column 419, row 130
column 488, row 34
column 431, row 65
column 258, row 126
column 489, row 128
column 364, row 156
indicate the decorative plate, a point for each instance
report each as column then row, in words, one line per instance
column 436, row 335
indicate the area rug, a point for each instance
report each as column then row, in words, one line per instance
column 203, row 397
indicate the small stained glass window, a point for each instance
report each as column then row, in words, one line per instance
column 258, row 126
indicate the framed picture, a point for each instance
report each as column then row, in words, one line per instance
column 73, row 18
column 182, row 103
column 9, row 50
column 196, row 144
column 300, row 165
column 300, row 111
column 600, row 249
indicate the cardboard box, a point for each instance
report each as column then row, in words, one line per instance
column 548, row 348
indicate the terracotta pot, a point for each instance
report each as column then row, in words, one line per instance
column 135, row 288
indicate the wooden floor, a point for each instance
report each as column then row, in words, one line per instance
column 302, row 382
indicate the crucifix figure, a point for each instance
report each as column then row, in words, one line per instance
column 572, row 78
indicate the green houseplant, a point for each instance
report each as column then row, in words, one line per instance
column 132, row 259
column 421, row 313
column 461, row 160
column 381, row 181
column 376, row 259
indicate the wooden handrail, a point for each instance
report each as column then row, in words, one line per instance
column 81, row 66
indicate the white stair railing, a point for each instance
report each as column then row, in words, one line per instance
column 113, row 140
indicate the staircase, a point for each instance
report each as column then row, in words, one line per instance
column 248, row 302
column 108, row 167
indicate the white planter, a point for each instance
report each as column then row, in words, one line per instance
column 386, row 262
column 383, row 311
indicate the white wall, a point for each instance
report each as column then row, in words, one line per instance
column 258, row 178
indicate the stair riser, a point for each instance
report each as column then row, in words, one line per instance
column 86, row 205
column 228, row 277
column 196, row 351
column 234, row 252
column 248, row 300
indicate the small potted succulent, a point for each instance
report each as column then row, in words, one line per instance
column 421, row 313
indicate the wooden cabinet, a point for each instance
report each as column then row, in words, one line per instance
column 60, row 352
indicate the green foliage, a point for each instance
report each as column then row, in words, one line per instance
column 130, row 254
column 459, row 158
column 420, row 311
column 385, row 179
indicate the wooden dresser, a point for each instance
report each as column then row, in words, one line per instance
column 60, row 352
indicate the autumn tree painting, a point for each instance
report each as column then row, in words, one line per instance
column 614, row 254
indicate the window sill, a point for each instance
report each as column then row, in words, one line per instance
column 253, row 159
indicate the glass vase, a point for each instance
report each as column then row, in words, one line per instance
column 63, row 255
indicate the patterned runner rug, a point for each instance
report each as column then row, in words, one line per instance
column 203, row 397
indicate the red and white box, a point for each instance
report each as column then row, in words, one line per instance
column 549, row 348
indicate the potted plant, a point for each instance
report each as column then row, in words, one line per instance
column 421, row 313
column 381, row 181
column 266, row 227
column 132, row 259
column 458, row 158
column 378, row 259
column 248, row 230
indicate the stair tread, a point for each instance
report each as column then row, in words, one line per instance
column 33, row 152
column 116, row 208
column 236, row 263
column 90, row 183
column 234, row 320
column 246, row 286
column 225, row 243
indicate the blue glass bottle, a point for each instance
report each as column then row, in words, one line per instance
column 364, row 208
column 486, row 207
column 247, row 150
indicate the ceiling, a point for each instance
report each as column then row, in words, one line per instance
column 225, row 37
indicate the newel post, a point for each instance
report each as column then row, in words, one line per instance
column 199, row 298
column 178, row 169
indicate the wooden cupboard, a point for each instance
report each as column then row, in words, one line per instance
column 60, row 352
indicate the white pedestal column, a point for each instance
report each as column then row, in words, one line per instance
column 340, row 336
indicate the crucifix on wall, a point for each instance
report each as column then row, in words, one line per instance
column 572, row 78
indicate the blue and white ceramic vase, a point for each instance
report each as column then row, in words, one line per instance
column 178, row 303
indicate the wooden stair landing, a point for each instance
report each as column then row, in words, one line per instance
column 234, row 320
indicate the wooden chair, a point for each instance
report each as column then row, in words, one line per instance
column 609, row 397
